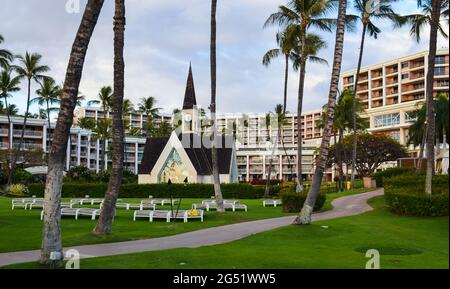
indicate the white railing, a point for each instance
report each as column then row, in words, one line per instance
column 4, row 131
column 28, row 133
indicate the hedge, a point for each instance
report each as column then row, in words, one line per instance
column 238, row 191
column 293, row 202
column 405, row 195
column 391, row 172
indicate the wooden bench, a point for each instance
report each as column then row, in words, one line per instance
column 271, row 202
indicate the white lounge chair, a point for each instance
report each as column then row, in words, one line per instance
column 167, row 215
column 271, row 202
column 24, row 202
column 208, row 206
column 93, row 213
column 37, row 203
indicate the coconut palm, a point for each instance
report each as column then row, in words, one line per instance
column 104, row 225
column 11, row 110
column 435, row 15
column 86, row 123
column 147, row 107
column 8, row 84
column 368, row 12
column 303, row 14
column 5, row 56
column 213, row 109
column 305, row 214
column 51, row 252
column 105, row 99
column 102, row 132
column 48, row 94
column 31, row 70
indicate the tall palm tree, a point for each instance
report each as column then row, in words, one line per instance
column 305, row 214
column 48, row 94
column 105, row 99
column 5, row 56
column 434, row 13
column 51, row 252
column 86, row 123
column 8, row 84
column 102, row 132
column 12, row 110
column 147, row 107
column 104, row 225
column 31, row 70
column 213, row 109
column 303, row 14
column 287, row 44
column 368, row 11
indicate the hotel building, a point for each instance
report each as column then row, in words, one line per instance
column 389, row 92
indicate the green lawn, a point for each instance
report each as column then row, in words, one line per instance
column 403, row 242
column 21, row 230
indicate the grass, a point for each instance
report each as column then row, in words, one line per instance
column 403, row 242
column 21, row 230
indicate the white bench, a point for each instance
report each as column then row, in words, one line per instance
column 167, row 215
column 93, row 213
column 161, row 202
column 38, row 203
column 24, row 202
column 136, row 206
column 213, row 206
column 271, row 202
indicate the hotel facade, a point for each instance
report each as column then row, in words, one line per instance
column 390, row 91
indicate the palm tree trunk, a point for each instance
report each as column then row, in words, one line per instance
column 301, row 86
column 214, row 153
column 104, row 225
column 339, row 160
column 51, row 252
column 435, row 14
column 17, row 151
column 305, row 214
column 49, row 128
column 286, row 77
column 422, row 146
column 358, row 71
column 10, row 148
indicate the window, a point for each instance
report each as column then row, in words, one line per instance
column 439, row 71
column 405, row 75
column 350, row 79
column 405, row 64
column 387, row 120
column 394, row 135
column 440, row 59
column 409, row 117
column 442, row 83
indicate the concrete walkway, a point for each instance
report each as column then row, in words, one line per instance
column 345, row 206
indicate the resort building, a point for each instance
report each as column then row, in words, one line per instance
column 391, row 90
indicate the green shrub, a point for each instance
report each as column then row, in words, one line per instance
column 97, row 190
column 79, row 173
column 22, row 176
column 389, row 173
column 405, row 195
column 17, row 190
column 293, row 202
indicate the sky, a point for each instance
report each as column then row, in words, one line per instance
column 163, row 37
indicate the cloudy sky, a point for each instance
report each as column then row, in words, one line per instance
column 162, row 37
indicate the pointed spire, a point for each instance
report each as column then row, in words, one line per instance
column 189, row 96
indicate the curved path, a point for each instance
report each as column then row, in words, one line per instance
column 343, row 207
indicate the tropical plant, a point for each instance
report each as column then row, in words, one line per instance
column 303, row 15
column 8, row 84
column 147, row 107
column 51, row 241
column 5, row 56
column 105, row 99
column 104, row 224
column 31, row 70
column 304, row 216
column 48, row 94
column 368, row 12
column 102, row 132
column 86, row 123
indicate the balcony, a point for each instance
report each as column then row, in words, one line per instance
column 4, row 131
column 4, row 145
column 28, row 133
column 28, row 146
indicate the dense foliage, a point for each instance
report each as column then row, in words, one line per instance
column 293, row 201
column 405, row 195
column 391, row 172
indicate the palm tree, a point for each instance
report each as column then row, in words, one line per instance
column 305, row 214
column 105, row 98
column 368, row 11
column 12, row 110
column 303, row 14
column 102, row 132
column 147, row 107
column 134, row 131
column 86, row 123
column 8, row 84
column 48, row 94
column 433, row 13
column 5, row 56
column 104, row 225
column 287, row 44
column 214, row 139
column 30, row 69
column 51, row 252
